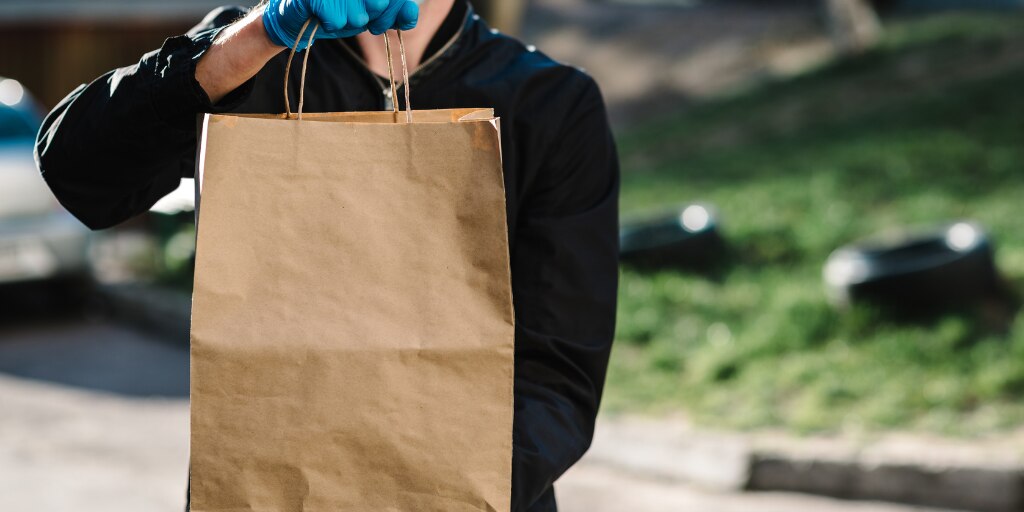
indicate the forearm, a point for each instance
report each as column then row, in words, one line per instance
column 552, row 430
column 239, row 53
column 565, row 284
column 111, row 149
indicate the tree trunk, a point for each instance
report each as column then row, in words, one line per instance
column 853, row 25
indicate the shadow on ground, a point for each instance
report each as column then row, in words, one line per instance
column 42, row 339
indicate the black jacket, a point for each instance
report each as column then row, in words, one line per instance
column 111, row 149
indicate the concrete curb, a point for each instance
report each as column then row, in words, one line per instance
column 984, row 476
column 967, row 488
column 166, row 314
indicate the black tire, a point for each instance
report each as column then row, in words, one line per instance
column 674, row 240
column 946, row 267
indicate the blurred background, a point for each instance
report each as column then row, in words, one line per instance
column 821, row 279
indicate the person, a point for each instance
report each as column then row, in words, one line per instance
column 112, row 148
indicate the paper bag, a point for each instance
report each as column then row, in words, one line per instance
column 352, row 329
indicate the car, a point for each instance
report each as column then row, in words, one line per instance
column 39, row 240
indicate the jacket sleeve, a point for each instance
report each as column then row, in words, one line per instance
column 111, row 149
column 565, row 281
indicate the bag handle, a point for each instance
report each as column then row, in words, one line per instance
column 305, row 65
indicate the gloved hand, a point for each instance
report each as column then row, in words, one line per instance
column 283, row 19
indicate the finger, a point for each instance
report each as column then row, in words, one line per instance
column 301, row 10
column 332, row 15
column 293, row 9
column 374, row 8
column 386, row 20
column 408, row 16
column 357, row 16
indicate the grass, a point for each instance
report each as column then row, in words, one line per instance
column 929, row 127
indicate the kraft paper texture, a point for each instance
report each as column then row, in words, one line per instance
column 352, row 324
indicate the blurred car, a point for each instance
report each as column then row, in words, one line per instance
column 39, row 240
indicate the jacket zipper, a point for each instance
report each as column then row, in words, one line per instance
column 389, row 101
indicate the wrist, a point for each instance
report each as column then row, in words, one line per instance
column 238, row 53
column 261, row 35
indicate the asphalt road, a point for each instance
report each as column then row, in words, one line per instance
column 95, row 419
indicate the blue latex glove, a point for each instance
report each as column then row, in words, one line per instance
column 283, row 19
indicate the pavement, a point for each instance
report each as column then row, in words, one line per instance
column 95, row 419
column 677, row 52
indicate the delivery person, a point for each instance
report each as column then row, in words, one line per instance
column 112, row 148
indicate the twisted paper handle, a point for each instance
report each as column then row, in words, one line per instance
column 305, row 67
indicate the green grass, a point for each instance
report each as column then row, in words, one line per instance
column 928, row 127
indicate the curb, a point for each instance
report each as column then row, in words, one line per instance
column 984, row 476
column 166, row 314
column 981, row 489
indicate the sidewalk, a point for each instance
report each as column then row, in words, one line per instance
column 645, row 55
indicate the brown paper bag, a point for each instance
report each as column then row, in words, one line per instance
column 352, row 331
